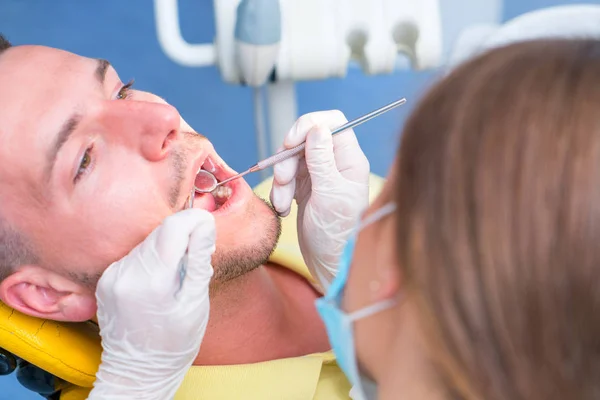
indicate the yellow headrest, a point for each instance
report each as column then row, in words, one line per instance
column 71, row 351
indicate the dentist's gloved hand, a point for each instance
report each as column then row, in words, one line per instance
column 151, row 331
column 330, row 184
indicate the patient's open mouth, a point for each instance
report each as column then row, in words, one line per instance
column 219, row 197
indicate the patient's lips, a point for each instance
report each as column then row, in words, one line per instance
column 205, row 201
column 228, row 198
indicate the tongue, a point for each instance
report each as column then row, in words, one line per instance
column 205, row 201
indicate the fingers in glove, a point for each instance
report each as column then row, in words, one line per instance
column 285, row 171
column 200, row 251
column 331, row 119
column 173, row 236
column 350, row 160
column 284, row 184
column 348, row 154
column 282, row 196
column 349, row 157
column 320, row 160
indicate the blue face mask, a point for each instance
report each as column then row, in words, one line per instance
column 339, row 324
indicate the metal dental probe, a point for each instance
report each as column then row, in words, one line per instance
column 184, row 260
column 285, row 154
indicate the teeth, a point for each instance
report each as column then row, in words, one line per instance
column 222, row 194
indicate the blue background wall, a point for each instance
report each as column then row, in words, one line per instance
column 123, row 32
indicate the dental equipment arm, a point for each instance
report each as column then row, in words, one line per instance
column 330, row 185
column 150, row 337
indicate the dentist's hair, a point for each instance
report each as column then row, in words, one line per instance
column 499, row 222
column 13, row 248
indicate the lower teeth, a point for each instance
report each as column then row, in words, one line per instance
column 221, row 194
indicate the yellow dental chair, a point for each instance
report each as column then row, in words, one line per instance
column 59, row 360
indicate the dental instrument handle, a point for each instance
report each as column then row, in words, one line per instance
column 285, row 154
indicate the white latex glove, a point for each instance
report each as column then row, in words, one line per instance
column 330, row 183
column 151, row 331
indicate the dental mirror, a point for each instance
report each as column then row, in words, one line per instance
column 205, row 182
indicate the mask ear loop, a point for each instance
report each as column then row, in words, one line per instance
column 377, row 215
column 372, row 309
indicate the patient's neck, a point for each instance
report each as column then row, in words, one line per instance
column 267, row 314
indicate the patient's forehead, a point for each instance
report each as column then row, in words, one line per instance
column 38, row 63
column 34, row 77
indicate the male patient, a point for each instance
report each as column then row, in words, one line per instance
column 90, row 166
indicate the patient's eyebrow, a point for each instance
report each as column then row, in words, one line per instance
column 101, row 69
column 61, row 138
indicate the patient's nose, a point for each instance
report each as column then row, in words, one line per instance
column 148, row 127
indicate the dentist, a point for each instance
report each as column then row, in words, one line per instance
column 474, row 274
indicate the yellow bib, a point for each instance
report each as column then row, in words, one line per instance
column 71, row 351
column 315, row 376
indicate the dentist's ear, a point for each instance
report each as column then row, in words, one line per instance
column 386, row 281
column 42, row 293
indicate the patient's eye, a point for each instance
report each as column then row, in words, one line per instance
column 85, row 162
column 124, row 92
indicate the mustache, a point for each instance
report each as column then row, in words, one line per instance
column 193, row 135
column 179, row 162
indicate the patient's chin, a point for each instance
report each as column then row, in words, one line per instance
column 246, row 246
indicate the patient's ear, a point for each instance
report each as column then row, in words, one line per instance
column 42, row 293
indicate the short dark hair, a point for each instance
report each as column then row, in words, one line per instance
column 4, row 43
column 14, row 250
